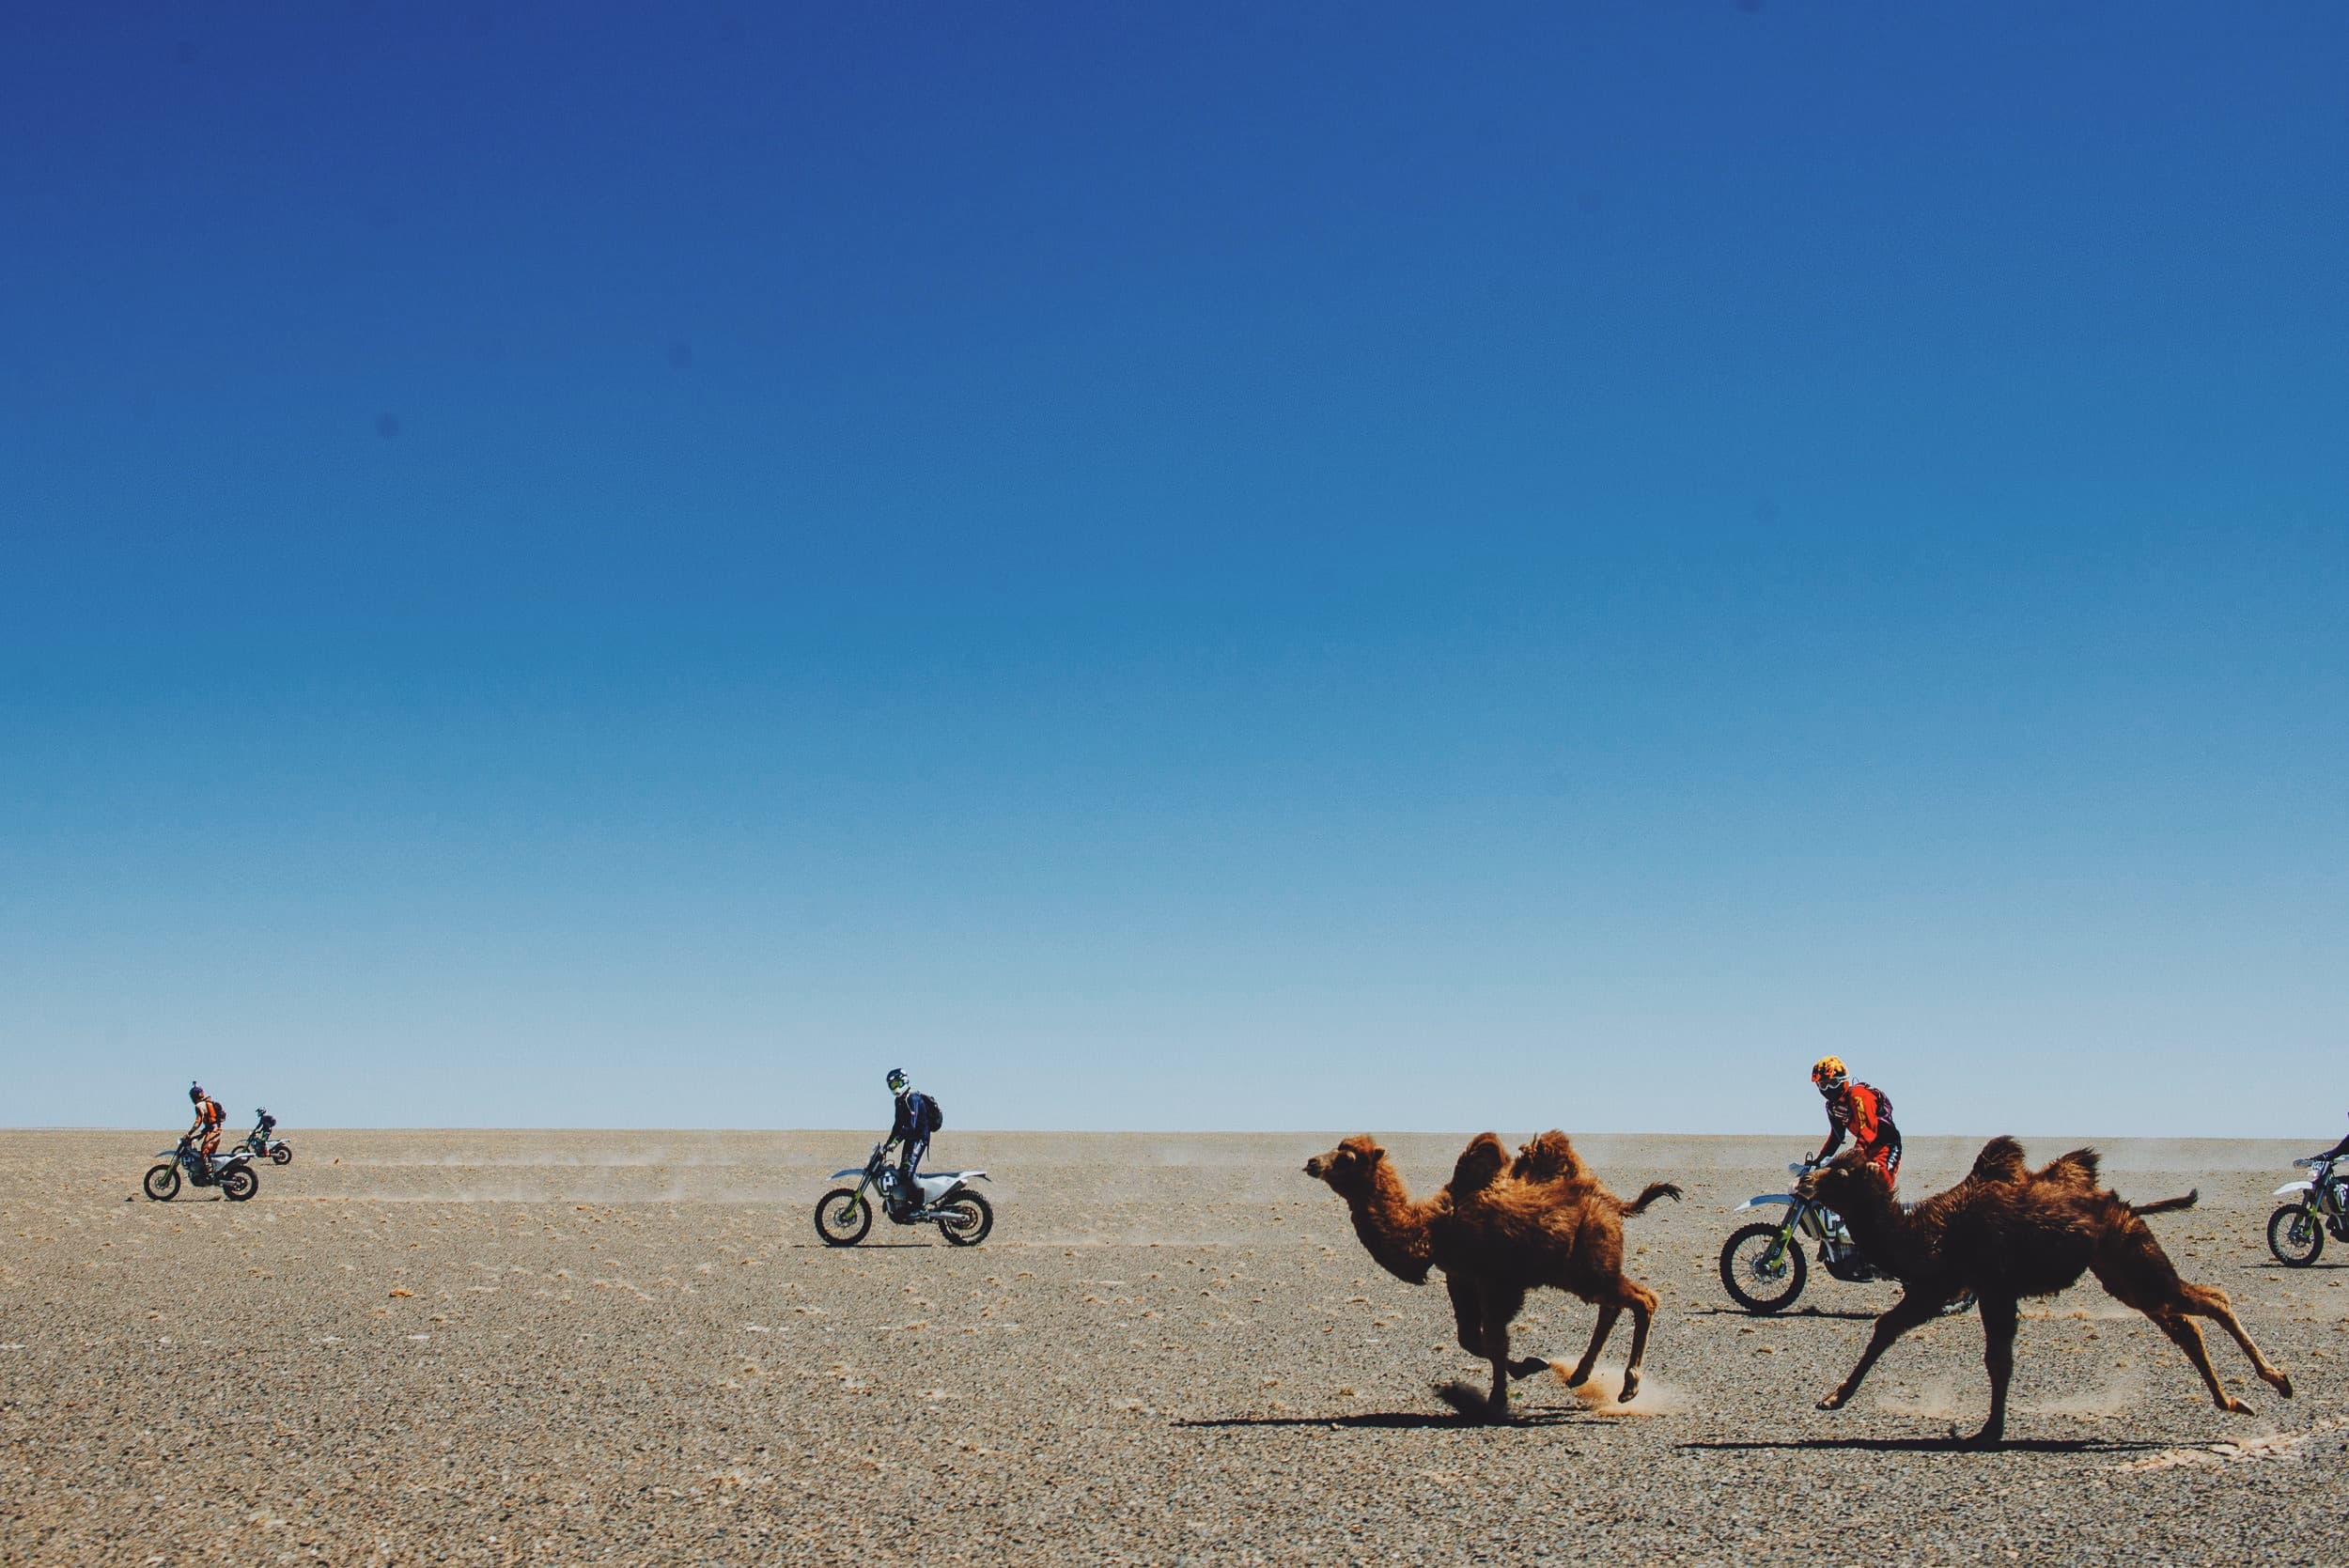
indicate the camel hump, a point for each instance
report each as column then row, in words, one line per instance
column 2000, row 1160
column 1480, row 1165
column 1548, row 1158
column 2077, row 1169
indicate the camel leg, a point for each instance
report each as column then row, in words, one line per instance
column 2189, row 1337
column 1911, row 1311
column 2135, row 1272
column 1999, row 1317
column 1468, row 1313
column 1500, row 1305
column 2211, row 1302
column 1607, row 1312
column 1643, row 1305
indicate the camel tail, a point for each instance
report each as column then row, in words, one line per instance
column 1648, row 1194
column 2166, row 1206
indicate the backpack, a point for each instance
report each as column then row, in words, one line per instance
column 931, row 1117
column 1884, row 1105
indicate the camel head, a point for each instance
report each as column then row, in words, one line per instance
column 1350, row 1167
column 1847, row 1181
column 1548, row 1158
column 1480, row 1165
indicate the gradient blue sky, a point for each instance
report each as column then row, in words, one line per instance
column 1181, row 566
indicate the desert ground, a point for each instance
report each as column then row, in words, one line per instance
column 574, row 1348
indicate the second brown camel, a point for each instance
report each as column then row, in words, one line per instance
column 2007, row 1231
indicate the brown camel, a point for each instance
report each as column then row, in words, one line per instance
column 1496, row 1236
column 2007, row 1231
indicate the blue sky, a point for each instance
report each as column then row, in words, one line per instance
column 1175, row 567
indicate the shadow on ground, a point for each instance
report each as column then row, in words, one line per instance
column 1955, row 1443
column 1410, row 1421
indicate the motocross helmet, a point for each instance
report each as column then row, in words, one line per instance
column 1828, row 1072
column 899, row 1082
column 195, row 1093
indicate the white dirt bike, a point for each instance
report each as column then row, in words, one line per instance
column 2295, row 1231
column 943, row 1198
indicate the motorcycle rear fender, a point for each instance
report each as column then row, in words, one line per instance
column 1766, row 1197
column 2289, row 1188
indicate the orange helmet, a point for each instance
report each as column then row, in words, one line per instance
column 1828, row 1072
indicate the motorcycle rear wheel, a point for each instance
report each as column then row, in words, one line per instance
column 163, row 1183
column 238, row 1182
column 282, row 1154
column 843, row 1217
column 1752, row 1285
column 2295, row 1236
column 965, row 1219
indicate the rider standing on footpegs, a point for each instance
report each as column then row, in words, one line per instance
column 1864, row 1111
column 208, row 1118
column 917, row 1118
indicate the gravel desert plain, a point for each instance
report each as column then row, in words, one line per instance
column 575, row 1347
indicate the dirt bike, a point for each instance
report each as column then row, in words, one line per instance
column 2295, row 1231
column 261, row 1145
column 1762, row 1267
column 232, row 1172
column 944, row 1198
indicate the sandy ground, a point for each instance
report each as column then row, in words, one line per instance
column 523, row 1347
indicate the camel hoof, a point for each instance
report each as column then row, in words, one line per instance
column 1833, row 1402
column 2237, row 1407
column 1528, row 1367
column 1988, row 1438
column 1630, row 1388
column 2281, row 1384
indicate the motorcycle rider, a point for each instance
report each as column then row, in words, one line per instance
column 910, row 1131
column 1864, row 1112
column 209, row 1119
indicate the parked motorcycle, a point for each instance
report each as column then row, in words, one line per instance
column 2295, row 1231
column 1763, row 1266
column 262, row 1146
column 844, row 1214
column 232, row 1172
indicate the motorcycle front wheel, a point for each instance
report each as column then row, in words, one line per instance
column 843, row 1217
column 282, row 1154
column 1756, row 1280
column 2294, row 1236
column 236, row 1184
column 163, row 1183
column 965, row 1219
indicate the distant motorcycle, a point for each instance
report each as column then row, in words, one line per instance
column 261, row 1145
column 844, row 1214
column 1762, row 1267
column 2295, row 1231
column 232, row 1172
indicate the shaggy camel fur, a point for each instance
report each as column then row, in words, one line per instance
column 2007, row 1231
column 1496, row 1236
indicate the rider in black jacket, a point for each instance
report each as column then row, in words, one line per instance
column 911, row 1129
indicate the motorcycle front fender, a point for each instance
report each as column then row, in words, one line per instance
column 1766, row 1199
column 853, row 1171
column 2289, row 1188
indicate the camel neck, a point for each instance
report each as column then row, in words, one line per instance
column 1392, row 1228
